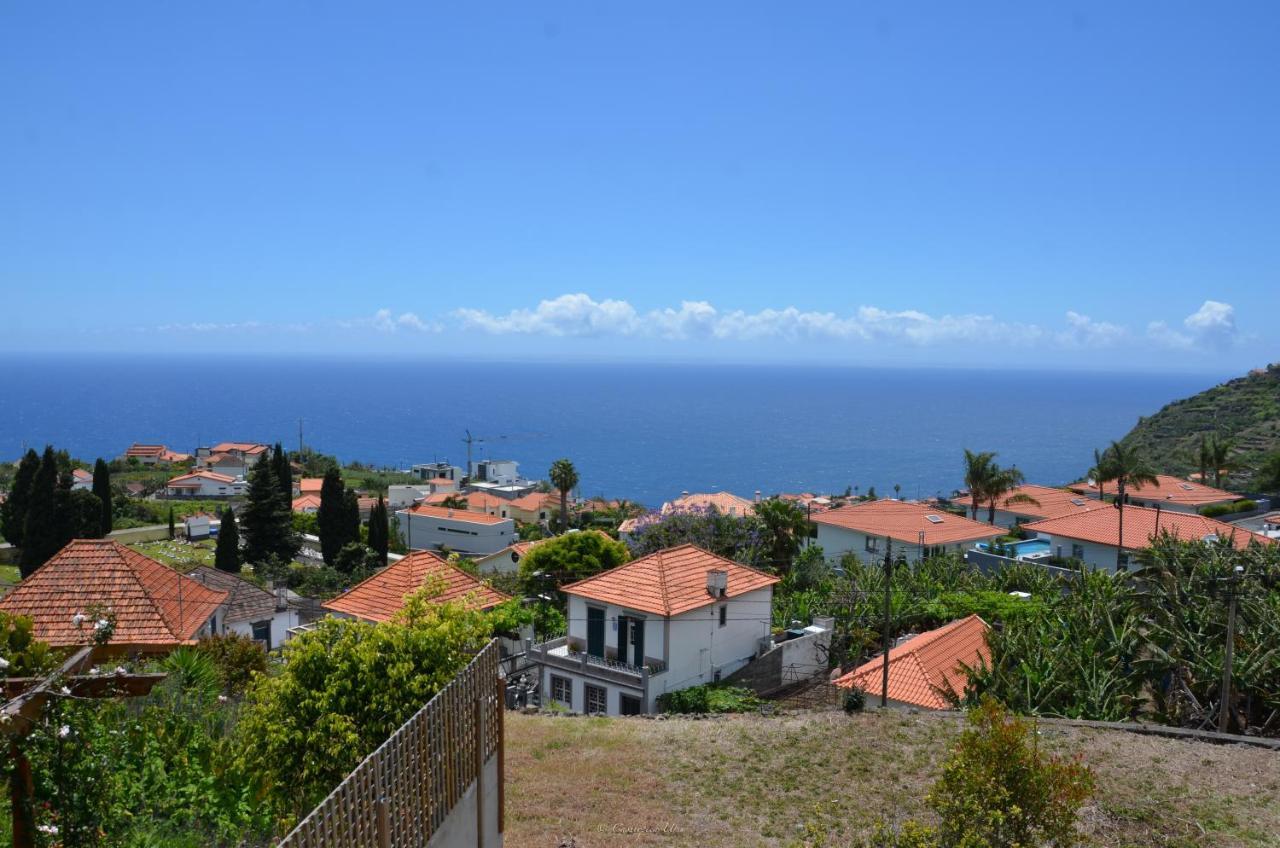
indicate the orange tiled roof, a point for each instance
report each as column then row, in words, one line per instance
column 924, row 662
column 1168, row 489
column 478, row 501
column 1051, row 503
column 381, row 596
column 466, row 515
column 200, row 475
column 535, row 501
column 80, row 474
column 904, row 521
column 726, row 503
column 242, row 447
column 310, row 485
column 1140, row 524
column 153, row 605
column 668, row 582
column 145, row 450
column 305, row 502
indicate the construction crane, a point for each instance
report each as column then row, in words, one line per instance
column 474, row 440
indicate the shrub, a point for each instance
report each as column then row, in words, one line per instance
column 709, row 698
column 1214, row 510
column 236, row 658
column 855, row 700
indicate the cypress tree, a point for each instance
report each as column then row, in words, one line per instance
column 226, row 553
column 284, row 471
column 379, row 530
column 40, row 531
column 350, row 517
column 79, row 515
column 266, row 519
column 102, row 488
column 13, row 512
column 330, row 522
column 172, row 530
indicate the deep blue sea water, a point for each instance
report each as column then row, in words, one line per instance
column 644, row 432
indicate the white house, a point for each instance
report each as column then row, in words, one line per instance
column 402, row 496
column 674, row 619
column 1093, row 537
column 438, row 471
column 425, row 527
column 505, row 561
column 497, row 472
column 913, row 530
column 204, row 484
column 1170, row 493
column 250, row 610
column 246, row 453
column 81, row 480
column 200, row 525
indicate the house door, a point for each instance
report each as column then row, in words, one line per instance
column 631, row 640
column 628, row 705
column 595, row 632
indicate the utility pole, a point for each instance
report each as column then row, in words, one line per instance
column 299, row 437
column 888, row 614
column 1232, row 584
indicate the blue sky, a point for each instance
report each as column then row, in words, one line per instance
column 1090, row 185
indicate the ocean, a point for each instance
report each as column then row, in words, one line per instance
column 640, row 431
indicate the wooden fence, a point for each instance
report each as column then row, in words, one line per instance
column 401, row 793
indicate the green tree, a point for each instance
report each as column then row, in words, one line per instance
column 173, row 530
column 355, row 560
column 266, row 519
column 565, row 478
column 568, row 558
column 79, row 515
column 379, row 530
column 102, row 488
column 1000, row 483
column 226, row 553
column 13, row 512
column 786, row 526
column 1268, row 474
column 283, row 471
column 978, row 469
column 41, row 531
column 331, row 520
column 1127, row 467
column 1220, row 451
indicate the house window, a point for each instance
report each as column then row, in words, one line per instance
column 562, row 690
column 262, row 633
column 724, row 614
column 1077, row 551
column 628, row 705
column 873, row 544
column 597, row 700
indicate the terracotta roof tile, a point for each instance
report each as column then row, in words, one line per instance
column 455, row 514
column 303, row 503
column 154, row 605
column 925, row 663
column 1050, row 502
column 726, row 503
column 1168, row 489
column 381, row 596
column 904, row 522
column 1102, row 526
column 310, row 485
column 668, row 582
column 190, row 479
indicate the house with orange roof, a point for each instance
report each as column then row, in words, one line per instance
column 1093, row 537
column 381, row 596
column 725, row 503
column 924, row 669
column 912, row 530
column 676, row 618
column 234, row 458
column 310, row 485
column 204, row 484
column 309, row 504
column 1168, row 493
column 153, row 454
column 535, row 507
column 1045, row 502
column 505, row 561
column 81, row 480
column 428, row 527
column 155, row 608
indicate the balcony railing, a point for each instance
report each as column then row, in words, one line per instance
column 562, row 649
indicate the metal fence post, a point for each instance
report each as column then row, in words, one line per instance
column 479, row 758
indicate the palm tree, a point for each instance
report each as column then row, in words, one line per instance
column 786, row 526
column 1097, row 472
column 564, row 477
column 454, row 502
column 1127, row 467
column 1002, row 482
column 977, row 476
column 1206, row 458
column 1220, row 458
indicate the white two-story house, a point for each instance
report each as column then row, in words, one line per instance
column 674, row 619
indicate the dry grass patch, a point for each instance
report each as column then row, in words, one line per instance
column 826, row 779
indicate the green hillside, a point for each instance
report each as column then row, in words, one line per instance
column 1245, row 410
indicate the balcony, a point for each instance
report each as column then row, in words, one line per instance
column 565, row 653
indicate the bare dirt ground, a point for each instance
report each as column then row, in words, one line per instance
column 827, row 779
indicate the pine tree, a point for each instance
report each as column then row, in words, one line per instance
column 267, row 519
column 379, row 530
column 226, row 553
column 172, row 530
column 40, row 531
column 13, row 512
column 330, row 523
column 284, row 471
column 102, row 488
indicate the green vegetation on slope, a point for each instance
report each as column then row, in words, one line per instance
column 1244, row 411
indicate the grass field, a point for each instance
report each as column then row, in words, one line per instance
column 178, row 553
column 825, row 779
column 9, row 575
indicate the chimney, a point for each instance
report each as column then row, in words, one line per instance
column 757, row 496
column 685, row 493
column 717, row 583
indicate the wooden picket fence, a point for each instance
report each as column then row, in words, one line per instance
column 401, row 793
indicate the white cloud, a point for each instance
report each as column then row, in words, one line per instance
column 1083, row 331
column 1212, row 326
column 580, row 315
column 385, row 321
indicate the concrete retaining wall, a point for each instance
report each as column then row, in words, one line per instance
column 461, row 828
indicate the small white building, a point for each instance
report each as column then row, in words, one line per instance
column 250, row 611
column 914, row 531
column 205, row 484
column 402, row 496
column 1093, row 537
column 677, row 618
column 433, row 471
column 496, row 472
column 81, row 480
column 505, row 561
column 200, row 525
column 425, row 527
